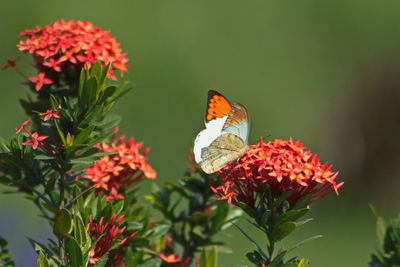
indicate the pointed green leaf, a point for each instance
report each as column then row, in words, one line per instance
column 303, row 263
column 42, row 260
column 283, row 230
column 62, row 223
column 277, row 261
column 305, row 241
column 75, row 253
column 292, row 215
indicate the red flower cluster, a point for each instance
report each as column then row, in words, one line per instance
column 70, row 45
column 284, row 166
column 113, row 173
column 106, row 236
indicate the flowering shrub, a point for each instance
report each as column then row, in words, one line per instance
column 274, row 183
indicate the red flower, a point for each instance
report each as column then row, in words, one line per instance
column 10, row 63
column 172, row 258
column 284, row 166
column 50, row 114
column 106, row 236
column 116, row 172
column 22, row 127
column 35, row 141
column 70, row 45
column 40, row 81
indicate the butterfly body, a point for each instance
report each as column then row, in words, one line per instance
column 226, row 135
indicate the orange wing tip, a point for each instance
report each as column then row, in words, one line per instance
column 218, row 106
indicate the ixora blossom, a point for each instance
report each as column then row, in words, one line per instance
column 50, row 114
column 172, row 258
column 35, row 140
column 284, row 166
column 22, row 127
column 40, row 81
column 68, row 45
column 107, row 236
column 114, row 173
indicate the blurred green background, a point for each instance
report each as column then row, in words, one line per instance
column 324, row 72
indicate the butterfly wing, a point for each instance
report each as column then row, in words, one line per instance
column 238, row 122
column 221, row 151
column 217, row 113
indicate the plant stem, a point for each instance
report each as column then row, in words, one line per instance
column 271, row 248
column 60, row 207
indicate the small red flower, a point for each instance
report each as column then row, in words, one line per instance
column 35, row 141
column 22, row 126
column 10, row 63
column 69, row 45
column 172, row 258
column 40, row 81
column 106, row 236
column 284, row 166
column 50, row 114
column 114, row 173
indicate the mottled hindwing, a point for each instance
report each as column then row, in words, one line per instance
column 238, row 122
column 221, row 151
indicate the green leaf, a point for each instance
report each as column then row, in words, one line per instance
column 103, row 77
column 254, row 257
column 60, row 133
column 80, row 233
column 251, row 240
column 277, row 261
column 374, row 212
column 302, row 202
column 84, row 135
column 208, row 258
column 44, row 157
column 305, row 241
column 304, row 221
column 250, row 211
column 303, row 263
column 75, row 253
column 69, row 140
column 62, row 223
column 283, row 197
column 198, row 217
column 42, row 260
column 118, row 206
column 39, row 247
column 381, row 230
column 283, row 230
column 157, row 231
column 50, row 184
column 213, row 257
column 82, row 79
column 265, row 217
column 151, row 263
column 292, row 215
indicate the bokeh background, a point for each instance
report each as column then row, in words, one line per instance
column 326, row 72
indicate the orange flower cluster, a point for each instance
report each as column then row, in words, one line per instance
column 116, row 172
column 64, row 46
column 106, row 236
column 284, row 166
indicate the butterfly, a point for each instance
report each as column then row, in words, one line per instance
column 226, row 135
